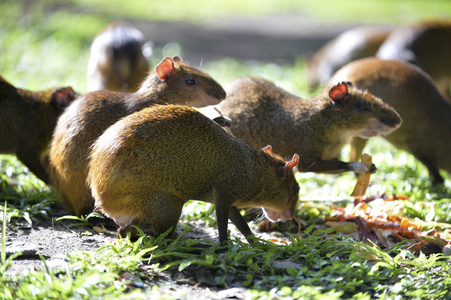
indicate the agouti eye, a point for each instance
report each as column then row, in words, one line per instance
column 363, row 107
column 190, row 81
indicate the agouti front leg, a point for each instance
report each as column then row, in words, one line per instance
column 336, row 166
column 240, row 223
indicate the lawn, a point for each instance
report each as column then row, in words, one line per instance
column 45, row 44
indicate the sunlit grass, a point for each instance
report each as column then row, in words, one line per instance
column 44, row 45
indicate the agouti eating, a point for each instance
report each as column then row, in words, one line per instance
column 426, row 128
column 172, row 82
column 117, row 62
column 315, row 128
column 147, row 165
column 426, row 45
column 27, row 121
column 352, row 44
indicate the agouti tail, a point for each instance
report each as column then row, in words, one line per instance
column 315, row 128
column 147, row 165
column 27, row 121
column 173, row 81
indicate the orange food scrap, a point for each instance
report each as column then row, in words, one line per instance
column 364, row 178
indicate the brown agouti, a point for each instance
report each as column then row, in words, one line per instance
column 352, row 44
column 426, row 45
column 173, row 82
column 27, row 121
column 147, row 165
column 426, row 127
column 315, row 128
column 117, row 62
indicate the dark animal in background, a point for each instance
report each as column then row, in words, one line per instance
column 316, row 128
column 426, row 127
column 119, row 59
column 27, row 121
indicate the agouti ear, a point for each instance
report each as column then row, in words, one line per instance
column 165, row 69
column 62, row 97
column 339, row 92
column 291, row 164
column 267, row 149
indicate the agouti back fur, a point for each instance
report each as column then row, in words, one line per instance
column 355, row 43
column 117, row 62
column 426, row 45
column 426, row 128
column 85, row 120
column 147, row 165
column 27, row 121
column 316, row 128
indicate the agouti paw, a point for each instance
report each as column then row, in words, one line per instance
column 358, row 167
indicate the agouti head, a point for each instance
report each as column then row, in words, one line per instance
column 363, row 111
column 175, row 79
column 284, row 204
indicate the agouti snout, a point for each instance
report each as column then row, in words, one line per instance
column 27, row 121
column 147, row 165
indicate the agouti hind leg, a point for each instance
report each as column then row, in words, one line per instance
column 163, row 212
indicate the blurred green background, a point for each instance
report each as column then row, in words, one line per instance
column 46, row 43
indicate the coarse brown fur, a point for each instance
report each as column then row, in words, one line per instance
column 27, row 121
column 315, row 128
column 147, row 165
column 91, row 114
column 426, row 128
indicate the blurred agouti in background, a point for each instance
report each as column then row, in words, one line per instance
column 426, row 114
column 355, row 43
column 27, row 121
column 315, row 128
column 119, row 59
column 147, row 165
column 172, row 82
column 427, row 45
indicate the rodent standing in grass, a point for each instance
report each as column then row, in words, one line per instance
column 426, row 127
column 147, row 165
column 172, row 82
column 316, row 128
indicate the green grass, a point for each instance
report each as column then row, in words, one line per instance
column 46, row 44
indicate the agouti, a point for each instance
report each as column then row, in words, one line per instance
column 117, row 62
column 27, row 121
column 352, row 44
column 172, row 82
column 147, row 165
column 426, row 45
column 426, row 128
column 315, row 128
